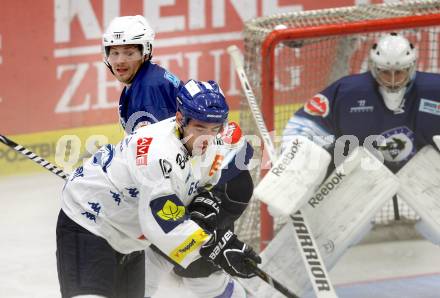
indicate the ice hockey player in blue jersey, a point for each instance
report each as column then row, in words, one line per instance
column 392, row 100
column 152, row 187
column 149, row 94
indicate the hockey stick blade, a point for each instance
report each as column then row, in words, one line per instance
column 32, row 156
column 236, row 56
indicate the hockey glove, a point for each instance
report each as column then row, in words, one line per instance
column 232, row 255
column 204, row 210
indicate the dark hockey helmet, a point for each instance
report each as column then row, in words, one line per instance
column 203, row 101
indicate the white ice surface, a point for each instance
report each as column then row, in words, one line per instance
column 29, row 209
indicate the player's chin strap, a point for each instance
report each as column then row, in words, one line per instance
column 60, row 173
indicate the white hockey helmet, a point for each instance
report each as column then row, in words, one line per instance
column 392, row 63
column 129, row 30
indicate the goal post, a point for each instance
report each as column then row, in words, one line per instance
column 288, row 66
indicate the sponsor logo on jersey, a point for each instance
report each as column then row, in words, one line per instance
column 79, row 172
column 218, row 159
column 143, row 145
column 169, row 212
column 166, row 168
column 104, row 156
column 190, row 244
column 317, row 106
column 399, row 144
column 172, row 78
column 96, row 208
column 429, row 106
column 232, row 133
column 361, row 107
column 142, row 237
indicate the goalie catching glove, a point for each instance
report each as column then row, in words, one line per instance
column 232, row 255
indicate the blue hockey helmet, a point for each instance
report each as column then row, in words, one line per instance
column 203, row 101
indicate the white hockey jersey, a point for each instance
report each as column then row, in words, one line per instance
column 136, row 193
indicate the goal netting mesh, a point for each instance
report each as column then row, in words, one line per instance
column 304, row 65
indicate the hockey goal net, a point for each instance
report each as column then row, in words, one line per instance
column 286, row 67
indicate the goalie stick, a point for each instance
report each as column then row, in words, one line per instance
column 322, row 286
column 60, row 173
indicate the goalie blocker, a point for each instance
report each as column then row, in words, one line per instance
column 339, row 214
column 296, row 174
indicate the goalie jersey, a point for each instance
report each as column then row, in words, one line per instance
column 354, row 106
column 136, row 193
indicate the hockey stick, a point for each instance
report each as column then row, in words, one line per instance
column 60, row 173
column 32, row 156
column 271, row 281
column 322, row 286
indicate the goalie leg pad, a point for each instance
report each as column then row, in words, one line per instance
column 338, row 219
column 420, row 189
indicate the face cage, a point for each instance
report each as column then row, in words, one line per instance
column 393, row 79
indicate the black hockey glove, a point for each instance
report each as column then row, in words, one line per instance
column 204, row 210
column 232, row 255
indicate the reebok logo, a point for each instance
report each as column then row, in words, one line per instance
column 287, row 158
column 326, row 189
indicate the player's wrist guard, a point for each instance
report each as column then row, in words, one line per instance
column 235, row 257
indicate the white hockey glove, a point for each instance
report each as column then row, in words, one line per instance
column 232, row 255
column 204, row 210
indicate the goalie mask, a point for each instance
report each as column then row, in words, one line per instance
column 129, row 30
column 392, row 63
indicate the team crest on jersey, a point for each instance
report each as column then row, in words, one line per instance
column 143, row 145
column 317, row 106
column 168, row 211
column 429, row 106
column 104, row 156
column 399, row 144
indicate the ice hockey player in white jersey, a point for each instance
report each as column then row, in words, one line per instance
column 134, row 194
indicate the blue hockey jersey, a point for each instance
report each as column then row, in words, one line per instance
column 150, row 98
column 354, row 106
